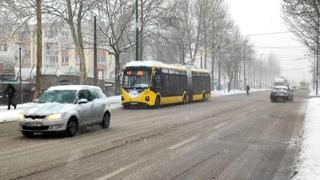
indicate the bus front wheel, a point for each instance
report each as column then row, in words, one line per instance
column 203, row 96
column 157, row 102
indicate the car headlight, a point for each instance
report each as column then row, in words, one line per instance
column 54, row 117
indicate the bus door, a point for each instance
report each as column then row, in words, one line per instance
column 156, row 84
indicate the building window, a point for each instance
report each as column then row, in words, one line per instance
column 65, row 60
column 101, row 60
column 52, row 60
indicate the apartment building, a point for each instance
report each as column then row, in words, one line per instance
column 58, row 52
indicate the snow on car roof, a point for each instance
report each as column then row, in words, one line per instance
column 160, row 64
column 71, row 87
column 281, row 87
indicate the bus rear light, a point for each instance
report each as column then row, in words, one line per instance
column 147, row 98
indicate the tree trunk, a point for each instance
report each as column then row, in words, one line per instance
column 77, row 39
column 141, row 32
column 229, row 85
column 83, row 69
column 117, row 72
column 39, row 51
column 219, row 75
column 212, row 70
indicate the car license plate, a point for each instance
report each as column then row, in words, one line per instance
column 33, row 124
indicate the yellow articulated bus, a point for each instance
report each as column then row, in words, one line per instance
column 152, row 84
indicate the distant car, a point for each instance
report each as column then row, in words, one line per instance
column 281, row 93
column 65, row 109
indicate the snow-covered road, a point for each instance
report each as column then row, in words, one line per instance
column 115, row 102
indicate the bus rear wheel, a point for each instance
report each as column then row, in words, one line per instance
column 184, row 101
column 203, row 96
column 157, row 102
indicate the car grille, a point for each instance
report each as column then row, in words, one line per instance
column 34, row 117
column 41, row 128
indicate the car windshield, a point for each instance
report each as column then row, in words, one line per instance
column 136, row 79
column 58, row 96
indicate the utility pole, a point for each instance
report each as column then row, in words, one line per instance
column 244, row 65
column 254, row 74
column 219, row 63
column 260, row 72
column 95, row 75
column 317, row 67
column 20, row 77
column 137, row 32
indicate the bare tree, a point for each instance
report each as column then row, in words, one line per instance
column 14, row 15
column 73, row 13
column 114, row 19
column 150, row 12
column 303, row 17
column 22, row 12
column 39, row 50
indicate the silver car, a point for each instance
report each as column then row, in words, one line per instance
column 65, row 109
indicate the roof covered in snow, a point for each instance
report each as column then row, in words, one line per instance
column 160, row 64
column 281, row 87
column 72, row 87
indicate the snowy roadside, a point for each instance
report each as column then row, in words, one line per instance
column 115, row 102
column 308, row 165
column 233, row 92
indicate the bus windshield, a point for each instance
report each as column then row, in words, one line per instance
column 136, row 79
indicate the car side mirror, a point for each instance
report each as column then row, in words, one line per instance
column 83, row 101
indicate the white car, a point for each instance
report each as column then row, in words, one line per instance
column 65, row 109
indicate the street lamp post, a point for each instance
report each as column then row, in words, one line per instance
column 95, row 73
column 20, row 78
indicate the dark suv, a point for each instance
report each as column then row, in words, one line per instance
column 281, row 93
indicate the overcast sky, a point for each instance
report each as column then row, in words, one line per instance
column 264, row 16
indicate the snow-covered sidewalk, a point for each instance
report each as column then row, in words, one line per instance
column 308, row 165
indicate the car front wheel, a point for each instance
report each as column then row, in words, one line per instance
column 72, row 128
column 105, row 121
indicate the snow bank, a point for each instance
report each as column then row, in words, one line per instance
column 233, row 92
column 11, row 115
column 7, row 116
column 308, row 166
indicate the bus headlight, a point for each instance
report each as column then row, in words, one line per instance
column 147, row 98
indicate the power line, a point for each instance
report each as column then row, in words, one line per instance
column 270, row 33
column 279, row 47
